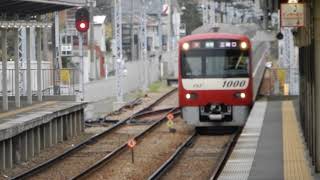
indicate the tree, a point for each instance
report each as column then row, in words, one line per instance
column 191, row 16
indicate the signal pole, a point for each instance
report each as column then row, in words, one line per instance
column 119, row 63
column 82, row 25
column 81, row 67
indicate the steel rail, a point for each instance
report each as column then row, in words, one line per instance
column 121, row 148
column 172, row 159
column 225, row 156
column 78, row 147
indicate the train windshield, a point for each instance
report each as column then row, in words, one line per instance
column 219, row 63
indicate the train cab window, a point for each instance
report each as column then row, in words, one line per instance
column 215, row 64
column 193, row 66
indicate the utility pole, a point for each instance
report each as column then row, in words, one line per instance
column 265, row 14
column 131, row 30
column 226, row 12
column 221, row 12
column 93, row 72
column 205, row 17
column 170, row 27
column 119, row 62
column 57, row 58
column 143, row 44
column 212, row 12
column 160, row 26
column 22, row 58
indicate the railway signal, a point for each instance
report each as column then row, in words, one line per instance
column 82, row 20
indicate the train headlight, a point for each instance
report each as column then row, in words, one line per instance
column 186, row 46
column 190, row 96
column 244, row 45
column 242, row 95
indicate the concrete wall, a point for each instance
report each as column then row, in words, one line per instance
column 170, row 64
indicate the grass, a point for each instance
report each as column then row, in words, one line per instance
column 155, row 87
column 136, row 94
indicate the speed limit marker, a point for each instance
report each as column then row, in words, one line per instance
column 170, row 116
column 132, row 143
column 170, row 124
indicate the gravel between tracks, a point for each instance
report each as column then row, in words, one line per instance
column 153, row 150
column 199, row 161
column 74, row 164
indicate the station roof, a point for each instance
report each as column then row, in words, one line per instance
column 23, row 7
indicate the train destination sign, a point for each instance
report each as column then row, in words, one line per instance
column 293, row 14
column 215, row 44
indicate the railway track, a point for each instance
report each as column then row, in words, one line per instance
column 76, row 160
column 152, row 149
column 203, row 155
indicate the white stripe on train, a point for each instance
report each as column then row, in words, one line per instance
column 215, row 84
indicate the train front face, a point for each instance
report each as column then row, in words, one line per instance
column 215, row 83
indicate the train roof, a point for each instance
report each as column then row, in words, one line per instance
column 249, row 29
column 214, row 36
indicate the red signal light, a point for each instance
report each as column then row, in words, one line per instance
column 82, row 20
column 82, row 26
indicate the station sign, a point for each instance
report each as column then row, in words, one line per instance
column 67, row 47
column 293, row 15
column 214, row 44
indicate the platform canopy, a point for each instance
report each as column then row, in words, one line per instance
column 23, row 7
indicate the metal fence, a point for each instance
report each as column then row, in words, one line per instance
column 53, row 82
column 280, row 82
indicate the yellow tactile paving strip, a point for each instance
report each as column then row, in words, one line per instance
column 294, row 155
column 26, row 109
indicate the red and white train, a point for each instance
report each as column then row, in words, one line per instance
column 217, row 76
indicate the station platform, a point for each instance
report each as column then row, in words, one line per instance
column 271, row 145
column 26, row 131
